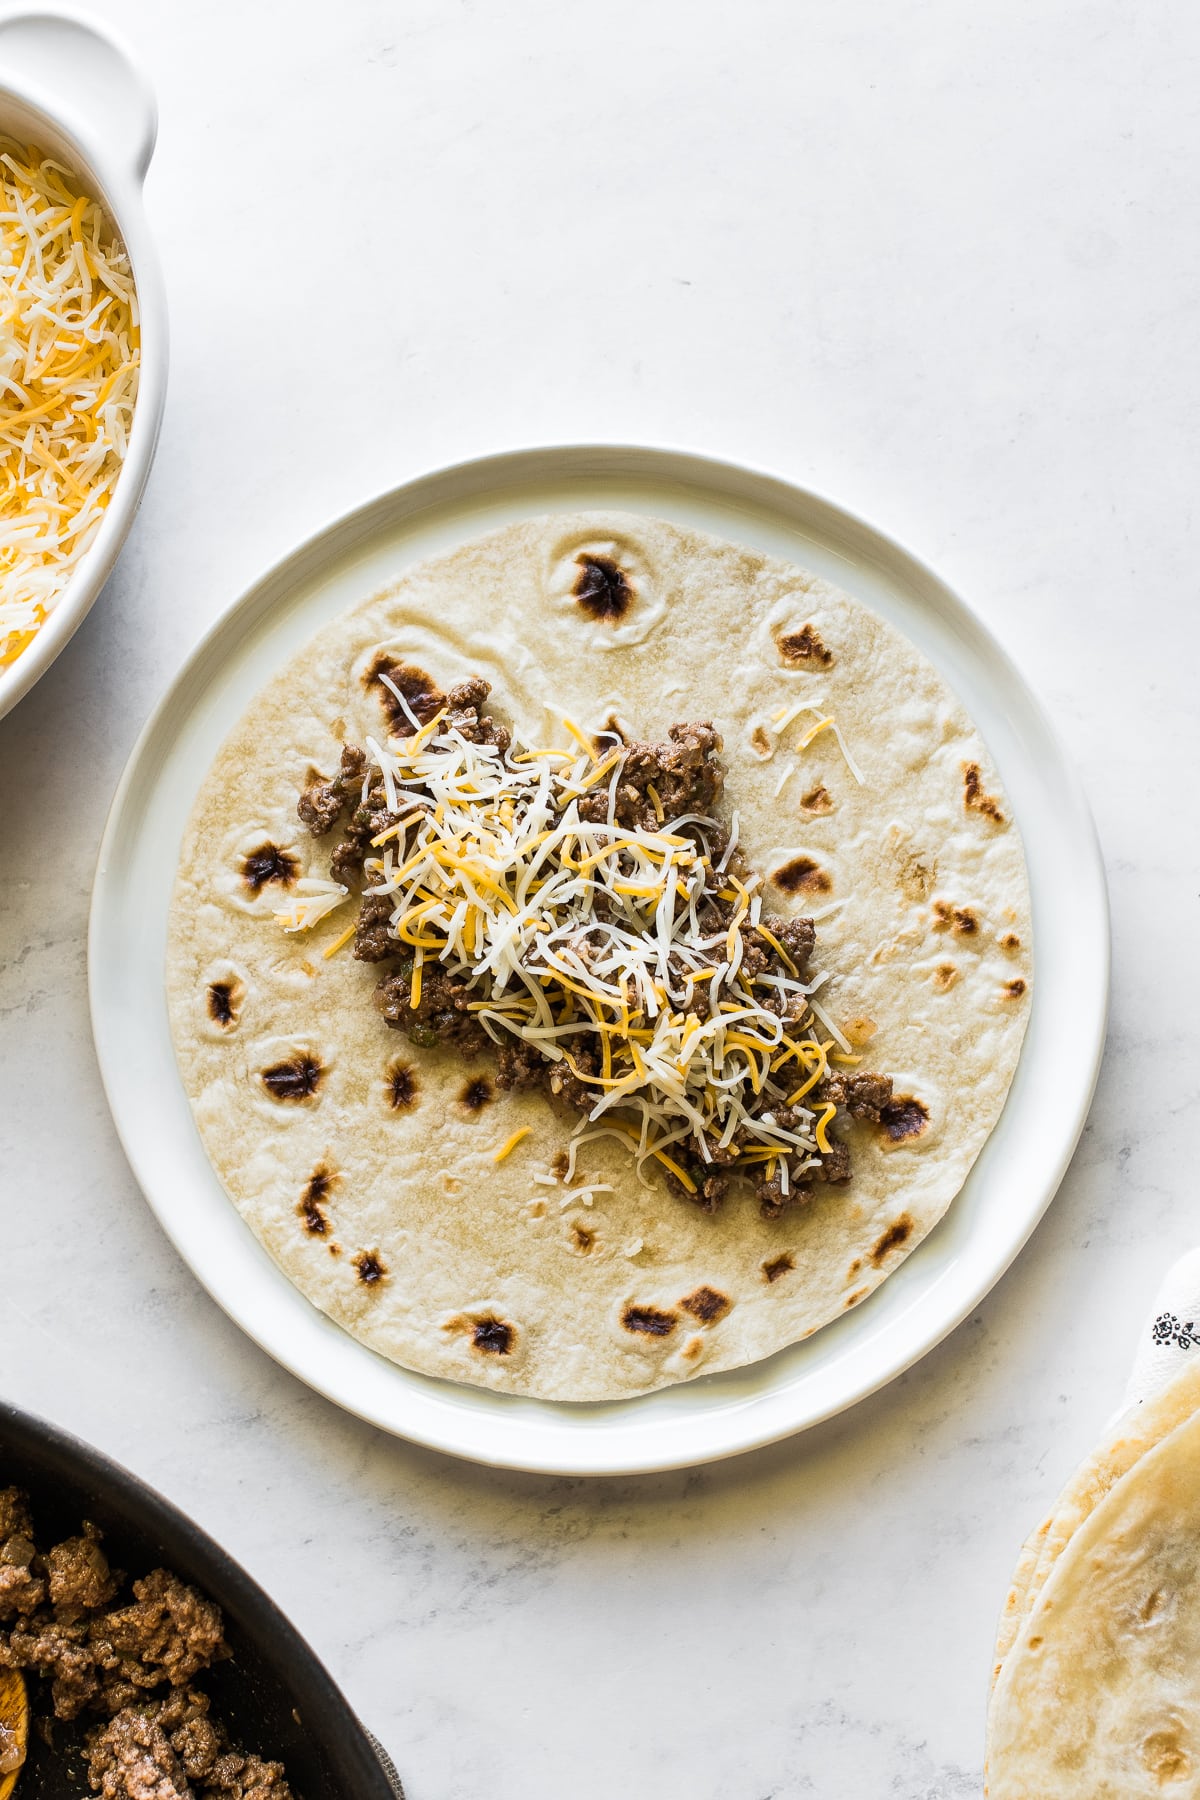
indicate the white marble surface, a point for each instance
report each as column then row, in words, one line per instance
column 942, row 262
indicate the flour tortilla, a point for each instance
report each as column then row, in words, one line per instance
column 1099, row 1696
column 929, row 959
column 1136, row 1431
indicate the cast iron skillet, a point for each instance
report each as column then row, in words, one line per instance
column 273, row 1693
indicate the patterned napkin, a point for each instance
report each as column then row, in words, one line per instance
column 1171, row 1334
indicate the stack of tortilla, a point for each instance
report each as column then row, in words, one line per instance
column 1097, row 1690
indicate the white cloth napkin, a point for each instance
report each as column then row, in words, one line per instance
column 1171, row 1334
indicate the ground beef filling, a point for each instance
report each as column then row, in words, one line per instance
column 129, row 1654
column 685, row 775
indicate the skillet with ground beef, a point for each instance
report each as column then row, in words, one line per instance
column 128, row 1654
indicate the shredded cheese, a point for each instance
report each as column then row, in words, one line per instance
column 69, row 361
column 338, row 943
column 312, row 901
column 806, row 737
column 825, row 722
column 829, row 724
column 575, row 931
column 510, row 1144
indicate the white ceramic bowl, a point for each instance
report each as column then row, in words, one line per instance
column 73, row 91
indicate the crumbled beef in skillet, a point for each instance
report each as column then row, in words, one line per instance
column 80, row 1579
column 129, row 1664
column 131, row 1758
column 170, row 1748
column 60, row 1654
column 168, row 1632
column 22, row 1587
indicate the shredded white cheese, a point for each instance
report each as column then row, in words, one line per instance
column 312, row 900
column 69, row 355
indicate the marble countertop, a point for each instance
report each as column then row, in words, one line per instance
column 940, row 262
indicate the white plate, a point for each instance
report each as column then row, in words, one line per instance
column 1011, row 1184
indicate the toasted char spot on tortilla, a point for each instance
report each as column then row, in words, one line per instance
column 944, row 977
column 974, row 797
column 804, row 648
column 761, row 744
column 802, row 876
column 1164, row 1757
column 602, row 588
column 854, row 1298
column 963, row 921
column 1012, row 990
column 706, row 1304
column 401, row 1085
column 476, row 1093
column 855, row 1266
column 421, row 691
column 649, row 1321
column 778, row 1265
column 298, row 1079
column 903, row 1118
column 817, row 800
column 860, row 1030
column 918, row 876
column 560, row 1162
column 371, row 1267
column 897, row 1233
column 316, row 1189
column 223, row 1001
column 493, row 1337
column 583, row 1238
column 319, row 1184
column 1010, row 942
column 269, row 863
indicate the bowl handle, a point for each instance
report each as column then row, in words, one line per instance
column 71, row 59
